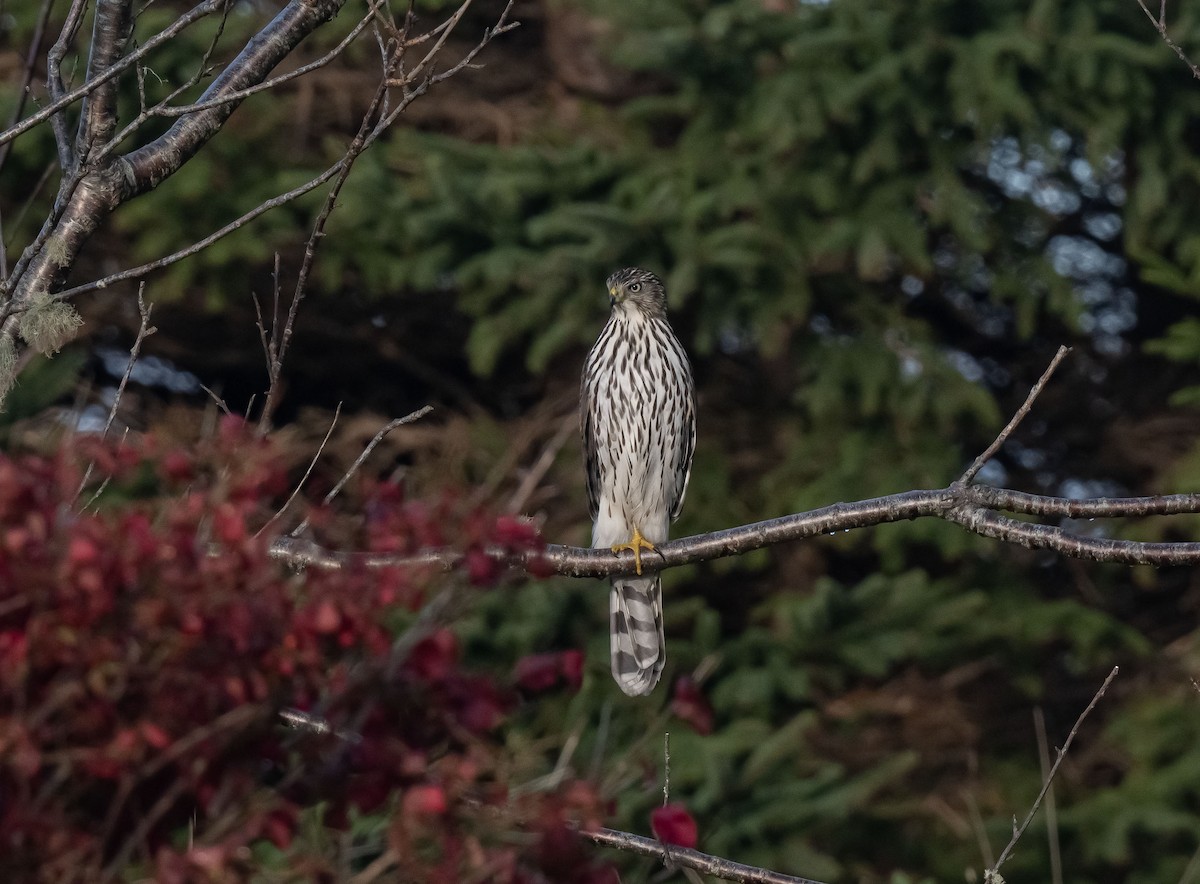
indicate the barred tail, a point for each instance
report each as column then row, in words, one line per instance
column 636, row 626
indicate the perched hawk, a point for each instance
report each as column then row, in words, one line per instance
column 638, row 419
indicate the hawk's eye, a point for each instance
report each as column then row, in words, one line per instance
column 635, row 287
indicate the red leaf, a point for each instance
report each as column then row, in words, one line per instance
column 515, row 532
column 572, row 668
column 280, row 826
column 482, row 569
column 326, row 619
column 82, row 551
column 673, row 824
column 690, row 705
column 177, row 466
column 537, row 672
column 425, row 800
column 229, row 524
column 542, row 672
column 155, row 735
column 434, row 656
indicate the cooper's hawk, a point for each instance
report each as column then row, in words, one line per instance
column 638, row 419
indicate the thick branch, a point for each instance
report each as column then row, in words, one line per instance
column 725, row 869
column 103, row 189
column 971, row 507
column 110, row 32
column 62, row 101
column 148, row 166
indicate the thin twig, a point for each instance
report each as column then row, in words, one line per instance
column 308, row 472
column 666, row 768
column 725, row 869
column 145, row 330
column 1160, row 25
column 164, row 110
column 335, row 169
column 534, row 475
column 184, row 21
column 366, row 452
column 992, row 874
column 990, row 451
column 217, row 400
column 1043, row 745
column 54, row 84
column 31, row 58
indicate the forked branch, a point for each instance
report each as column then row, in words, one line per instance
column 977, row 508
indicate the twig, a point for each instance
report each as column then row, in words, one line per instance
column 366, row 452
column 145, row 330
column 308, row 472
column 501, row 27
column 54, row 84
column 359, row 144
column 992, row 874
column 535, row 474
column 725, row 869
column 165, row 110
column 35, row 45
column 666, row 768
column 184, row 21
column 1160, row 25
column 202, row 244
column 991, row 450
column 1043, row 745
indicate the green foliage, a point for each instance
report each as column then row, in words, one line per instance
column 865, row 213
column 43, row 382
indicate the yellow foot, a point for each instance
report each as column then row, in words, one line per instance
column 637, row 543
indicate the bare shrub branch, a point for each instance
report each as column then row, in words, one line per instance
column 725, row 869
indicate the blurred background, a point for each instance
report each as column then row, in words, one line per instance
column 876, row 221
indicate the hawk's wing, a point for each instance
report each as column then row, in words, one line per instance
column 683, row 471
column 591, row 457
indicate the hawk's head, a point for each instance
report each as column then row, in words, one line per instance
column 634, row 287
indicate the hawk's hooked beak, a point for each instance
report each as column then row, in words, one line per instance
column 612, row 296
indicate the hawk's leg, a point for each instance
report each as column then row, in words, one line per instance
column 637, row 543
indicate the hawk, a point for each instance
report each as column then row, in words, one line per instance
column 638, row 421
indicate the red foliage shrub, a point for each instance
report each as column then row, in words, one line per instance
column 147, row 648
column 673, row 824
column 690, row 705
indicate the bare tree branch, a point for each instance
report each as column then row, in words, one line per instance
column 990, row 451
column 992, row 875
column 964, row 507
column 502, row 26
column 971, row 506
column 101, row 190
column 111, row 30
column 1160, row 25
column 148, row 166
column 311, row 464
column 54, row 85
column 65, row 99
column 725, row 869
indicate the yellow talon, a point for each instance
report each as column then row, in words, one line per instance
column 637, row 543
